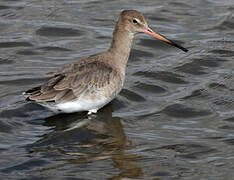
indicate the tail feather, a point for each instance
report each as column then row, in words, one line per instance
column 32, row 91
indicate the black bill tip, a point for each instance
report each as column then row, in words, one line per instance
column 178, row 46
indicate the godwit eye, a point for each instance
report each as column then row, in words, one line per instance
column 134, row 21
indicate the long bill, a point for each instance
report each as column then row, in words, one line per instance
column 162, row 38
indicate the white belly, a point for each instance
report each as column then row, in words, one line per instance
column 82, row 105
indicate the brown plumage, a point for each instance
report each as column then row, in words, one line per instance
column 77, row 79
column 89, row 84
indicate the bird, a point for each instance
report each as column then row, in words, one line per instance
column 90, row 83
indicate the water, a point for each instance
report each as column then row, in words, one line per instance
column 174, row 119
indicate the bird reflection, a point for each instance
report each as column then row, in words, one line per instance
column 83, row 139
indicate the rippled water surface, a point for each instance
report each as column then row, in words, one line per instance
column 174, row 119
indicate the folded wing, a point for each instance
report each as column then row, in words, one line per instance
column 75, row 80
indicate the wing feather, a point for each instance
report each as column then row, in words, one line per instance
column 75, row 80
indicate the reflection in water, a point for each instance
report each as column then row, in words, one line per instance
column 87, row 139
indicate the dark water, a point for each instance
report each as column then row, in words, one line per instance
column 174, row 119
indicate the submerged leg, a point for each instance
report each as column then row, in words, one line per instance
column 92, row 111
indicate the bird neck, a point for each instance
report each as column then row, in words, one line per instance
column 120, row 47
